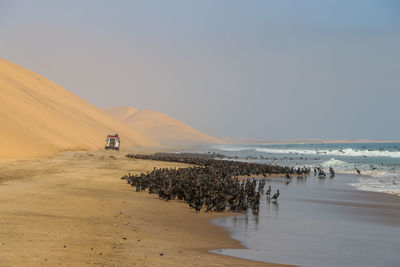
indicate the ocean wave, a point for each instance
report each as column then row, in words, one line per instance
column 335, row 163
column 349, row 168
column 389, row 184
column 234, row 149
column 334, row 152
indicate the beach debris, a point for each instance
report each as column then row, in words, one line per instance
column 2, row 244
column 161, row 254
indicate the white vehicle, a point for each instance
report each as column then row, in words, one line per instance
column 113, row 142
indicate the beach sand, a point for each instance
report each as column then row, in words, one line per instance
column 73, row 210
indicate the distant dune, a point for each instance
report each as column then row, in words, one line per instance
column 39, row 118
column 161, row 128
column 121, row 113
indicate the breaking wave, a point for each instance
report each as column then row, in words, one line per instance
column 234, row 149
column 336, row 152
column 335, row 163
column 383, row 183
column 379, row 163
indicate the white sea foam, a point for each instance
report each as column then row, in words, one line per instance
column 335, row 163
column 384, row 183
column 349, row 168
column 377, row 174
column 234, row 149
column 335, row 152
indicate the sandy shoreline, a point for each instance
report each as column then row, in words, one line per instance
column 320, row 222
column 73, row 210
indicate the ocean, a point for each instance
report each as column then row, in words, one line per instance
column 319, row 222
column 379, row 163
column 346, row 220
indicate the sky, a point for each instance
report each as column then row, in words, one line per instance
column 272, row 70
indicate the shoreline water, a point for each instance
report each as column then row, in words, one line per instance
column 320, row 222
column 379, row 160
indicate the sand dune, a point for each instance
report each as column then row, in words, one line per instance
column 161, row 128
column 121, row 113
column 39, row 118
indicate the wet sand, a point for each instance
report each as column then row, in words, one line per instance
column 73, row 210
column 320, row 222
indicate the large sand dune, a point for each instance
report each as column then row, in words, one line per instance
column 161, row 128
column 40, row 118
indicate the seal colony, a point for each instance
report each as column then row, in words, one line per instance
column 212, row 183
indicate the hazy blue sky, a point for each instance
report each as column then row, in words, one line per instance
column 256, row 69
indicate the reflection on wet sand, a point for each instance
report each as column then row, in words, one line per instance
column 320, row 222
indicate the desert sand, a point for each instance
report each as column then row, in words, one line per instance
column 73, row 210
column 39, row 118
column 161, row 127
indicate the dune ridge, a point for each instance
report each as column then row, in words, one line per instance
column 40, row 118
column 160, row 127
